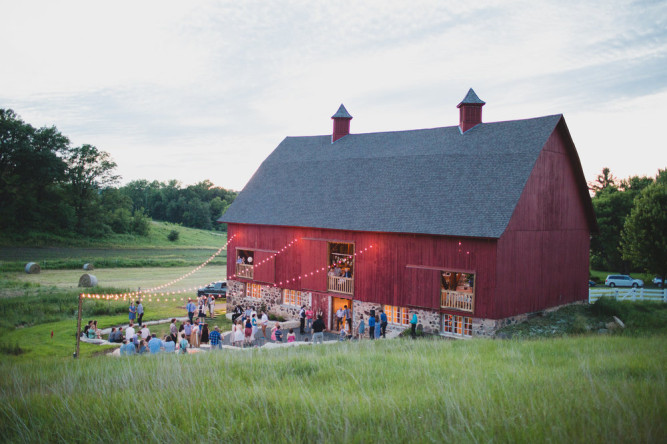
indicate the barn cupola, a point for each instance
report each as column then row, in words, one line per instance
column 470, row 113
column 341, row 123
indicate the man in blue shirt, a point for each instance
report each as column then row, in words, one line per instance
column 140, row 312
column 191, row 307
column 383, row 323
column 413, row 325
column 371, row 326
column 187, row 329
column 215, row 338
column 154, row 345
column 127, row 348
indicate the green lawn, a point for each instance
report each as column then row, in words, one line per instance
column 586, row 389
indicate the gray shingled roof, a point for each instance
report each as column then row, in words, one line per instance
column 432, row 181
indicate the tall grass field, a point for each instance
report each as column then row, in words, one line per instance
column 587, row 389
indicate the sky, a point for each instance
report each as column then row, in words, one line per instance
column 195, row 90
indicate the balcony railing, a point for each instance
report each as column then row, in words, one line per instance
column 457, row 300
column 244, row 270
column 341, row 284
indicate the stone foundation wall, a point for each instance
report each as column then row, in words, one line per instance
column 270, row 297
column 430, row 320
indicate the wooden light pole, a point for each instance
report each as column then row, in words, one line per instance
column 78, row 327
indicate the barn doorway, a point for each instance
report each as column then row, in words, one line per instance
column 339, row 303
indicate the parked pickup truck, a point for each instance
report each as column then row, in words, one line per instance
column 217, row 289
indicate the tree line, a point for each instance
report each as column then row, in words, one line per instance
column 632, row 218
column 48, row 185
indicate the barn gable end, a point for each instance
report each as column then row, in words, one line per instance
column 543, row 253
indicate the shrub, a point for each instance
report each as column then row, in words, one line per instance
column 11, row 349
column 141, row 223
column 579, row 325
column 173, row 235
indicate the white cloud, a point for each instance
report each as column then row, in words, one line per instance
column 196, row 90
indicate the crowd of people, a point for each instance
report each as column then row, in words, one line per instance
column 246, row 326
column 179, row 339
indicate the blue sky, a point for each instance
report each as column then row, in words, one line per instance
column 206, row 90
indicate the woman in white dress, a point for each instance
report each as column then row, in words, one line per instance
column 239, row 335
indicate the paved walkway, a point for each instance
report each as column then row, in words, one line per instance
column 260, row 341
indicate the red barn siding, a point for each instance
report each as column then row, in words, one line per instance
column 266, row 272
column 543, row 254
column 381, row 273
column 314, row 254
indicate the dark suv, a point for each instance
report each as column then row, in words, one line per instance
column 217, row 289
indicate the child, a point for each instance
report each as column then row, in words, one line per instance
column 343, row 333
column 291, row 337
column 279, row 333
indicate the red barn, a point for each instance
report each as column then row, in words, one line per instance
column 471, row 226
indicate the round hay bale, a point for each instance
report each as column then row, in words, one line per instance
column 88, row 267
column 87, row 280
column 32, row 268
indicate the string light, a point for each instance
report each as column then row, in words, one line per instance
column 153, row 290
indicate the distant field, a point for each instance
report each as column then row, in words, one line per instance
column 54, row 258
column 126, row 278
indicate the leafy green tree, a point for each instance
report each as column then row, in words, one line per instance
column 141, row 223
column 612, row 203
column 644, row 241
column 32, row 172
column 89, row 170
column 604, row 181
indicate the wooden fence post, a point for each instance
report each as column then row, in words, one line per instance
column 78, row 327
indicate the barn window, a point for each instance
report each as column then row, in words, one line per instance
column 397, row 315
column 253, row 291
column 457, row 290
column 453, row 325
column 340, row 275
column 295, row 298
column 244, row 263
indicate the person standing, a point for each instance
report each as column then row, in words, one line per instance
column 309, row 319
column 302, row 320
column 371, row 326
column 202, row 311
column 247, row 332
column 215, row 338
column 413, row 325
column 140, row 312
column 253, row 321
column 361, row 329
column 348, row 318
column 383, row 323
column 378, row 330
column 194, row 335
column 191, row 307
column 318, row 330
column 264, row 323
column 339, row 318
column 173, row 330
column 133, row 312
column 187, row 330
column 211, row 305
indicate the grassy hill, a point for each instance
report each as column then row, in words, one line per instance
column 154, row 250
